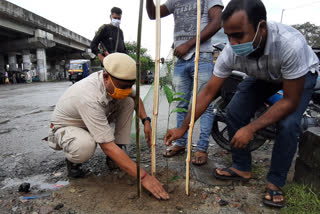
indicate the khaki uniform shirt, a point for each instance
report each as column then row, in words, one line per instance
column 87, row 105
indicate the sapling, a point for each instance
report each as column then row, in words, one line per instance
column 172, row 97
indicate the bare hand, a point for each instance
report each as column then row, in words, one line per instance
column 181, row 50
column 106, row 53
column 155, row 187
column 242, row 137
column 147, row 132
column 101, row 57
column 172, row 135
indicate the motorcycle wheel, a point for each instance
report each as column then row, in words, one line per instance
column 219, row 130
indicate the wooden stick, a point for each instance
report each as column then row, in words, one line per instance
column 156, row 90
column 194, row 96
column 138, row 98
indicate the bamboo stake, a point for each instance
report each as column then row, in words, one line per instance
column 138, row 63
column 156, row 91
column 194, row 98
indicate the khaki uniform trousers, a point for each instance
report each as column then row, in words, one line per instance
column 77, row 143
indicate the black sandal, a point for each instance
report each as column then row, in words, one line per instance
column 273, row 193
column 233, row 176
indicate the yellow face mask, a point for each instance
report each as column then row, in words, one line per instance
column 119, row 93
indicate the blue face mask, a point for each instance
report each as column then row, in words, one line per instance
column 246, row 49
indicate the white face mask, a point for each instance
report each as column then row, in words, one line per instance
column 115, row 22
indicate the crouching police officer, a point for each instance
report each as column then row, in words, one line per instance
column 81, row 120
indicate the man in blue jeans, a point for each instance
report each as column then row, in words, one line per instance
column 185, row 19
column 274, row 56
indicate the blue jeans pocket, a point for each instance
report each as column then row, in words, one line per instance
column 206, row 57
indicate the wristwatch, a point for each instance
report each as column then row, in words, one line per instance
column 145, row 119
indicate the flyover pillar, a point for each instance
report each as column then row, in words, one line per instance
column 2, row 64
column 13, row 66
column 42, row 64
column 2, row 69
column 59, row 73
column 26, row 60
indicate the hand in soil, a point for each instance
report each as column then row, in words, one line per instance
column 172, row 135
column 155, row 187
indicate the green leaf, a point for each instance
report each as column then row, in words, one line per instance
column 179, row 110
column 178, row 93
column 176, row 177
column 168, row 93
column 180, row 99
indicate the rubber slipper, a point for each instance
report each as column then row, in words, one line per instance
column 200, row 156
column 270, row 202
column 170, row 152
column 234, row 176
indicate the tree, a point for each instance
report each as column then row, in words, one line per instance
column 311, row 32
column 147, row 64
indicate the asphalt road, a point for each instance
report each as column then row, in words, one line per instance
column 25, row 111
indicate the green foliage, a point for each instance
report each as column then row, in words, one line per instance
column 180, row 99
column 95, row 61
column 301, row 199
column 179, row 110
column 311, row 32
column 147, row 64
column 169, row 94
column 169, row 66
column 178, row 93
column 175, row 178
column 164, row 81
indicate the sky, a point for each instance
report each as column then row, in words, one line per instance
column 85, row 17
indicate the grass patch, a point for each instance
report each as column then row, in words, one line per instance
column 175, row 178
column 259, row 171
column 300, row 199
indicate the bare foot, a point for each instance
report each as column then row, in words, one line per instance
column 243, row 174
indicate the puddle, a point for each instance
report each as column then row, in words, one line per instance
column 35, row 181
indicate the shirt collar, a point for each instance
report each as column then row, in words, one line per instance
column 103, row 87
column 267, row 47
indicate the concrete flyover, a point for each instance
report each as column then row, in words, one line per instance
column 35, row 46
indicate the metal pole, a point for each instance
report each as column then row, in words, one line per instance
column 138, row 63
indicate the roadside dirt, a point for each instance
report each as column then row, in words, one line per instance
column 105, row 191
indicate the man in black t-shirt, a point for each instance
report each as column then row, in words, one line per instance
column 109, row 37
